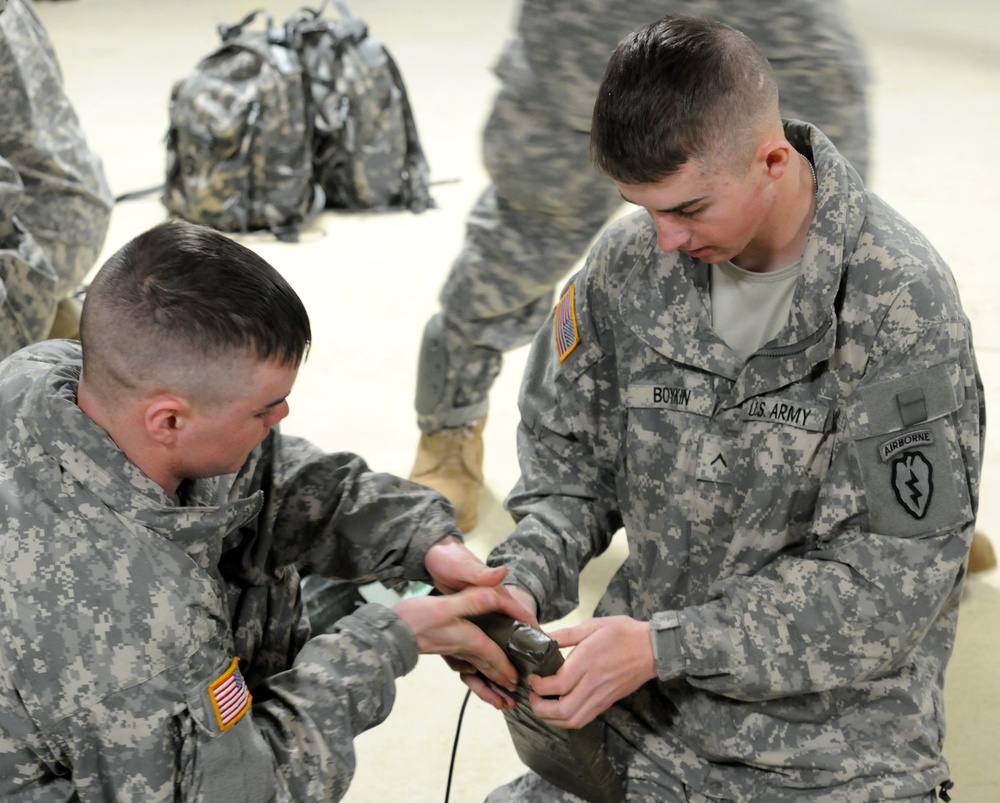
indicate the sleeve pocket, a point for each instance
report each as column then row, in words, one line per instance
column 225, row 762
column 909, row 456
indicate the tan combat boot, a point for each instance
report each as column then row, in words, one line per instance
column 67, row 320
column 451, row 462
column 981, row 555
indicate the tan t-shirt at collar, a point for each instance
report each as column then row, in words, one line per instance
column 748, row 308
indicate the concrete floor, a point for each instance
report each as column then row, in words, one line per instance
column 371, row 281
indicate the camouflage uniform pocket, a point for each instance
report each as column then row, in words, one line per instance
column 225, row 757
column 909, row 456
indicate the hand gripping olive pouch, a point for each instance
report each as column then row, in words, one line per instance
column 573, row 760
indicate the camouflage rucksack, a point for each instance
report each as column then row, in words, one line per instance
column 239, row 146
column 366, row 152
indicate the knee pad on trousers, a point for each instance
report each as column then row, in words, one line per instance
column 432, row 367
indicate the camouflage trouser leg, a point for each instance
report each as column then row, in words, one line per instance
column 831, row 96
column 528, row 229
column 530, row 788
column 819, row 61
column 27, row 280
column 54, row 185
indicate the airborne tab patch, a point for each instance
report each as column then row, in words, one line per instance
column 566, row 332
column 230, row 696
column 889, row 449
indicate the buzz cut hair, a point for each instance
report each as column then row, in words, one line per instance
column 680, row 89
column 181, row 297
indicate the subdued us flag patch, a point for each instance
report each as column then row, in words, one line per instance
column 230, row 696
column 567, row 334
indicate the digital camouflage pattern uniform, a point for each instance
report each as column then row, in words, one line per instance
column 55, row 204
column 546, row 202
column 122, row 611
column 797, row 524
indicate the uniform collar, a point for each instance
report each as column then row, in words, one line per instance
column 680, row 284
column 78, row 447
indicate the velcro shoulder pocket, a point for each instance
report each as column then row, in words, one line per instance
column 226, row 758
column 909, row 455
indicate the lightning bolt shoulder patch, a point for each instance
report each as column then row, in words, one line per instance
column 913, row 483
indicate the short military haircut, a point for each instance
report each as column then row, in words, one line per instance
column 678, row 89
column 181, row 297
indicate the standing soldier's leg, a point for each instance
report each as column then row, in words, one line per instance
column 27, row 280
column 819, row 62
column 65, row 203
column 525, row 233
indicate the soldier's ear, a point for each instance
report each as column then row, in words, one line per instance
column 166, row 416
column 774, row 156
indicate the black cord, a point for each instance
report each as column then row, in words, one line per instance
column 454, row 747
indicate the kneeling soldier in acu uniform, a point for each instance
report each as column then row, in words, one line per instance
column 153, row 643
column 766, row 377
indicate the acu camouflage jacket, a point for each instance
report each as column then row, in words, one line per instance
column 123, row 614
column 797, row 524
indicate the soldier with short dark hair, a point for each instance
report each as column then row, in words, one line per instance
column 766, row 377
column 153, row 640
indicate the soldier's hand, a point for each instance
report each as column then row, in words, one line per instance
column 483, row 688
column 452, row 567
column 440, row 626
column 611, row 658
column 526, row 601
column 486, row 690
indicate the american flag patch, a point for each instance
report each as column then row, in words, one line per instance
column 230, row 696
column 567, row 335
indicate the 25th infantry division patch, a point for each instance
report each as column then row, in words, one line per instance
column 912, row 482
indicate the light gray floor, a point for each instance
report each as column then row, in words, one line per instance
column 370, row 282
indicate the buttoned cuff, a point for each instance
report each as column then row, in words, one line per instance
column 386, row 632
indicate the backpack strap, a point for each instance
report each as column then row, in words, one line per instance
column 416, row 180
column 415, row 189
column 290, row 233
column 135, row 195
column 416, row 184
column 354, row 28
column 276, row 35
